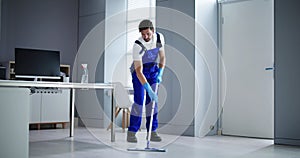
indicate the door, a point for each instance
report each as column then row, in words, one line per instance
column 247, row 51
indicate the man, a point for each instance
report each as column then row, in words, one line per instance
column 147, row 70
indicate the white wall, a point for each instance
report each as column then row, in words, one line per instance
column 115, row 67
column 115, row 41
column 206, row 67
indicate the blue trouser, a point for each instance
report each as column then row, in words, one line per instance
column 137, row 107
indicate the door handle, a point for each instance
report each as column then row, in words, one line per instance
column 269, row 68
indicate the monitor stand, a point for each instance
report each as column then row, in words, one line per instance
column 35, row 79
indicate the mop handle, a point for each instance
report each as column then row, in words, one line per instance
column 151, row 118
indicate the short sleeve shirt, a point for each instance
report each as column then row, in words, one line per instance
column 149, row 45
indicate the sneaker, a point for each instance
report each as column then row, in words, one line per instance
column 131, row 137
column 154, row 137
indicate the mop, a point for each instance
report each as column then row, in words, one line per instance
column 148, row 148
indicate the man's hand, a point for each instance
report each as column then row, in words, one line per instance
column 151, row 94
column 159, row 76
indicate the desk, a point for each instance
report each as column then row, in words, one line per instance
column 73, row 87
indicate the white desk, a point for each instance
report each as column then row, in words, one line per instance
column 73, row 87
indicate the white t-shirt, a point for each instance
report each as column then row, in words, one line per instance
column 149, row 45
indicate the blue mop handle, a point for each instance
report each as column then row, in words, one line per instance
column 151, row 118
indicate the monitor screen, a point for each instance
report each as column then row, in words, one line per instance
column 35, row 63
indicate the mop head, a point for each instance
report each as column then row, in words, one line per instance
column 147, row 149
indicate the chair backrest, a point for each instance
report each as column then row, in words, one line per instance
column 121, row 95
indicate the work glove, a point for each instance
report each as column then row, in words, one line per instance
column 151, row 94
column 159, row 76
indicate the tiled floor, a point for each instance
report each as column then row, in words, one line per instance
column 95, row 143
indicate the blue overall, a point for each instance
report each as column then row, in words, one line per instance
column 150, row 71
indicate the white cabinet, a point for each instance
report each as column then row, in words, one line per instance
column 47, row 105
column 55, row 106
column 50, row 106
column 35, row 108
column 14, row 122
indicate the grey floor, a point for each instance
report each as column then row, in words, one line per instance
column 94, row 143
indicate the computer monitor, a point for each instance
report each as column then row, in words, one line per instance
column 37, row 64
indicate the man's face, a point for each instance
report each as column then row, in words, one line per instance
column 147, row 34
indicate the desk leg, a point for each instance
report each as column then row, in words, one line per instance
column 72, row 109
column 113, row 110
